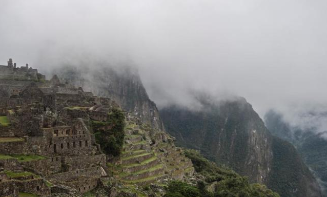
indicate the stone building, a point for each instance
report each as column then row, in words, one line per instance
column 47, row 123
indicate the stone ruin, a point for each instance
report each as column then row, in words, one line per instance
column 47, row 145
column 11, row 71
column 45, row 137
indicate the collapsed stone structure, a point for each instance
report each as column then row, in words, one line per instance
column 47, row 145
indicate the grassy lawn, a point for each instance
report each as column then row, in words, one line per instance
column 21, row 194
column 11, row 139
column 19, row 174
column 4, row 121
column 5, row 157
column 22, row 158
column 25, row 158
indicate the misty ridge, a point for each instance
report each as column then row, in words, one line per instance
column 272, row 53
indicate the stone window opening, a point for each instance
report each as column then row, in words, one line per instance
column 74, row 145
column 86, row 143
column 80, row 143
column 68, row 145
column 38, row 188
column 62, row 146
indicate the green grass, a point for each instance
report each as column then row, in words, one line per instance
column 11, row 139
column 5, row 157
column 23, row 158
column 48, row 184
column 130, row 125
column 141, row 164
column 133, row 152
column 19, row 174
column 21, row 194
column 132, row 190
column 149, row 170
column 159, row 166
column 145, row 180
column 135, row 156
column 4, row 121
column 89, row 194
column 141, row 142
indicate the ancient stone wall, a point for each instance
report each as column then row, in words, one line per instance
column 81, row 162
column 99, row 116
column 8, row 189
column 8, row 148
column 94, row 172
column 34, row 186
column 10, row 164
column 84, row 185
column 6, row 131
column 72, row 145
column 44, row 167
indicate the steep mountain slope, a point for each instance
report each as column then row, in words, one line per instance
column 311, row 146
column 121, row 84
column 232, row 133
column 141, row 166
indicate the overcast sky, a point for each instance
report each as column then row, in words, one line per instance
column 272, row 52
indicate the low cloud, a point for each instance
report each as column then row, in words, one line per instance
column 273, row 53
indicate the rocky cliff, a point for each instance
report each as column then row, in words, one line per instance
column 121, row 84
column 309, row 143
column 232, row 133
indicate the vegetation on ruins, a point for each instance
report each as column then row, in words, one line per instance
column 218, row 182
column 11, row 139
column 22, row 194
column 111, row 139
column 22, row 158
column 4, row 121
column 19, row 174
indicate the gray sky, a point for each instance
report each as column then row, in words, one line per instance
column 272, row 52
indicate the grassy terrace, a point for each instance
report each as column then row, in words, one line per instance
column 136, row 155
column 21, row 194
column 132, row 152
column 11, row 139
column 140, row 142
column 142, row 163
column 19, row 174
column 145, row 180
column 154, row 168
column 4, row 121
column 22, row 158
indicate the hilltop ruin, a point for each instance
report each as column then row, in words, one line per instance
column 48, row 147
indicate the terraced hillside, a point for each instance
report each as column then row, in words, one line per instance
column 149, row 157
